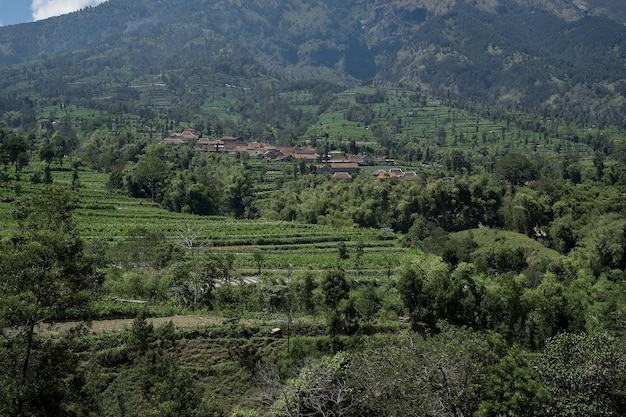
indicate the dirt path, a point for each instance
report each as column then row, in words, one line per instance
column 119, row 325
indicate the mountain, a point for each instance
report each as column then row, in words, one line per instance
column 562, row 54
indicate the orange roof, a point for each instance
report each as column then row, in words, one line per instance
column 344, row 165
column 342, row 176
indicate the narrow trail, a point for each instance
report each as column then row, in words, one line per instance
column 99, row 327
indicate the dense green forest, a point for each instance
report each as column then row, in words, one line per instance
column 472, row 263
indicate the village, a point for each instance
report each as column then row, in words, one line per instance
column 335, row 163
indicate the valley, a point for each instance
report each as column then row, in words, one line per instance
column 272, row 208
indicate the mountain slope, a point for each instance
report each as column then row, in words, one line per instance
column 559, row 53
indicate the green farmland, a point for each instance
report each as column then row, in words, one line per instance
column 287, row 247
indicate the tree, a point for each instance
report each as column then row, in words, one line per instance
column 44, row 275
column 368, row 302
column 258, row 259
column 75, row 174
column 598, row 163
column 342, row 316
column 342, row 251
column 584, row 374
column 183, row 194
column 150, row 173
column 195, row 281
column 423, row 285
column 303, row 288
column 562, row 234
column 16, row 150
column 605, row 243
column 524, row 211
column 550, row 311
column 321, row 389
column 146, row 247
column 335, row 288
column 513, row 388
column 60, row 146
column 46, row 153
column 516, row 169
column 238, row 192
column 412, row 375
column 411, row 287
column 198, row 275
column 358, row 255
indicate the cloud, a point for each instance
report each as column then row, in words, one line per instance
column 43, row 9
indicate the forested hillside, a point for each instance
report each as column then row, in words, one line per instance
column 312, row 208
column 565, row 56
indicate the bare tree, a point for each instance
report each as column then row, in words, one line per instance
column 322, row 389
column 423, row 376
column 191, row 240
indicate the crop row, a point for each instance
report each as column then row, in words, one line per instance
column 306, row 257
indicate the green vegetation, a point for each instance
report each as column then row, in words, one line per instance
column 139, row 277
column 522, row 247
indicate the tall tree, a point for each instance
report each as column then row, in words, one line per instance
column 516, row 169
column 43, row 275
column 150, row 173
column 16, row 150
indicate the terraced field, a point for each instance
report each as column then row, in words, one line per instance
column 286, row 247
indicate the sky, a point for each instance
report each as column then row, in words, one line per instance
column 22, row 11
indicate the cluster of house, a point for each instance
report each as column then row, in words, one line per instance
column 346, row 170
column 232, row 145
column 336, row 163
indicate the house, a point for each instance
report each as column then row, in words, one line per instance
column 295, row 153
column 273, row 153
column 362, row 160
column 189, row 135
column 231, row 147
column 307, row 154
column 380, row 173
column 286, row 158
column 385, row 160
column 336, row 157
column 349, row 167
column 344, row 176
column 186, row 136
column 307, row 157
column 396, row 173
column 210, row 145
column 241, row 148
column 331, row 169
column 257, row 149
column 324, row 169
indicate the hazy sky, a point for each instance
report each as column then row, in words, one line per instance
column 21, row 11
